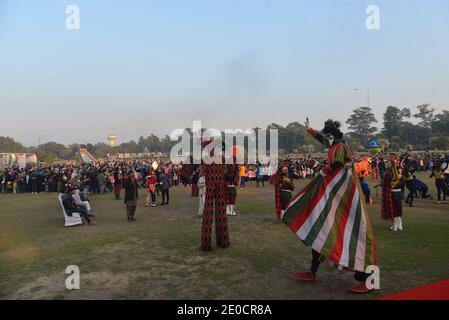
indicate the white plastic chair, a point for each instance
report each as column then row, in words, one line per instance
column 70, row 221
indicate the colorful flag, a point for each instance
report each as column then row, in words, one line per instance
column 86, row 156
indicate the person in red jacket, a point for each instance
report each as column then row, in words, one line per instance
column 150, row 184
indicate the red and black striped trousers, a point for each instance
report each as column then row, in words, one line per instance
column 215, row 206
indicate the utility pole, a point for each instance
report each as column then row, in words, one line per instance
column 368, row 97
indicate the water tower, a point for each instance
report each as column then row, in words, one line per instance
column 112, row 138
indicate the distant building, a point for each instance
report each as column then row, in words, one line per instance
column 112, row 138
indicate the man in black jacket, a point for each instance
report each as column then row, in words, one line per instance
column 131, row 195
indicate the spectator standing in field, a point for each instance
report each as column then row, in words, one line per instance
column 34, row 184
column 117, row 184
column 242, row 175
column 175, row 177
column 409, row 177
column 101, row 179
column 15, row 183
column 131, row 195
column 259, row 174
column 381, row 165
column 440, row 184
column 194, row 182
column 151, row 188
column 165, row 187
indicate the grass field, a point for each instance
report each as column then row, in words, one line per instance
column 158, row 256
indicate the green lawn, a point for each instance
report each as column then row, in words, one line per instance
column 158, row 256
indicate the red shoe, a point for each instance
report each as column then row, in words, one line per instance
column 305, row 276
column 361, row 288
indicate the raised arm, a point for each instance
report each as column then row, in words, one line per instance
column 314, row 133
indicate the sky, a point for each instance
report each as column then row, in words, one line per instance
column 151, row 66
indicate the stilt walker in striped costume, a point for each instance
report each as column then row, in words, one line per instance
column 330, row 216
column 215, row 205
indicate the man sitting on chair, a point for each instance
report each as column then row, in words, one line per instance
column 81, row 200
column 70, row 207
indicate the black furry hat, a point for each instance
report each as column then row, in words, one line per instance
column 333, row 127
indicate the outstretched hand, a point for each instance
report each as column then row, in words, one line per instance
column 307, row 124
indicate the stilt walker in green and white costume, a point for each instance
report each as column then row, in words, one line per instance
column 330, row 216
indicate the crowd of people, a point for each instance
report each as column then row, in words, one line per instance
column 98, row 178
column 159, row 176
column 91, row 178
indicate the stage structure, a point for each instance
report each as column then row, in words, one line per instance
column 17, row 159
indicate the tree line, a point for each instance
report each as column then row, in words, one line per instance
column 430, row 132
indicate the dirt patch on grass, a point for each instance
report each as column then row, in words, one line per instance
column 15, row 248
column 22, row 253
column 41, row 288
